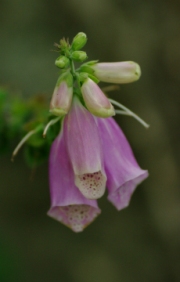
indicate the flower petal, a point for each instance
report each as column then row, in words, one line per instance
column 85, row 151
column 68, row 205
column 123, row 172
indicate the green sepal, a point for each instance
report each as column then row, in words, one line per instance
column 86, row 68
column 92, row 63
column 67, row 77
column 94, row 78
column 82, row 76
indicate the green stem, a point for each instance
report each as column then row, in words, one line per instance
column 72, row 68
column 74, row 74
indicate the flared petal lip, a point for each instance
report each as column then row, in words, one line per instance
column 133, row 182
column 54, row 212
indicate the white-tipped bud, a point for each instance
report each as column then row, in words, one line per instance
column 120, row 72
column 62, row 95
column 96, row 101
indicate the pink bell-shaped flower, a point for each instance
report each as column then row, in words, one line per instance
column 122, row 170
column 68, row 205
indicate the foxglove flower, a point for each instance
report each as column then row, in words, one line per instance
column 119, row 72
column 62, row 95
column 90, row 152
column 68, row 205
column 96, row 101
column 122, row 170
column 85, row 151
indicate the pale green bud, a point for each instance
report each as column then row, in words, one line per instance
column 62, row 62
column 79, row 56
column 79, row 41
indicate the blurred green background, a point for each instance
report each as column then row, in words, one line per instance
column 142, row 242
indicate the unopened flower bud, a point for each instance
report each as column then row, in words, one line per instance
column 62, row 95
column 79, row 41
column 96, row 101
column 120, row 72
column 62, row 62
column 79, row 56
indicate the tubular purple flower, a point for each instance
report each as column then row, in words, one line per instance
column 85, row 151
column 122, row 170
column 119, row 72
column 68, row 205
column 95, row 100
column 62, row 95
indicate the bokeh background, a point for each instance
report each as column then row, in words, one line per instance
column 140, row 243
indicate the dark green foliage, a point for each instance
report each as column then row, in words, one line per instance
column 17, row 118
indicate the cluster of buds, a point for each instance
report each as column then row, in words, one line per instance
column 87, row 76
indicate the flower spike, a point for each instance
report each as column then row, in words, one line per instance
column 90, row 152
